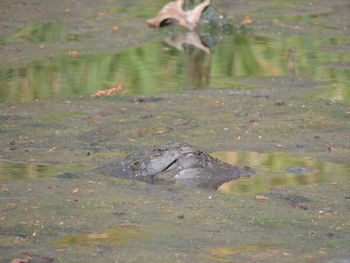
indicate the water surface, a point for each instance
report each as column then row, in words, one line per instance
column 273, row 168
column 14, row 171
column 187, row 61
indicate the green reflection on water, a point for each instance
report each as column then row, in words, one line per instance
column 159, row 67
column 272, row 167
column 12, row 171
column 60, row 115
column 113, row 236
column 47, row 32
column 222, row 254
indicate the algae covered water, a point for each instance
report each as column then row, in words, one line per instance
column 270, row 92
column 54, row 59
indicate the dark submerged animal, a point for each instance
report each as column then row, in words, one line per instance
column 176, row 162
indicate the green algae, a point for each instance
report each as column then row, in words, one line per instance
column 14, row 171
column 221, row 254
column 267, row 108
column 60, row 115
column 140, row 221
column 113, row 236
column 46, row 32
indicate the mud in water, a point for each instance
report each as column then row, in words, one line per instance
column 272, row 92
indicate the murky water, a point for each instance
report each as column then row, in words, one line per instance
column 274, row 170
column 13, row 171
column 59, row 49
column 181, row 61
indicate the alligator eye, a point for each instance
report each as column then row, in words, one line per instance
column 167, row 22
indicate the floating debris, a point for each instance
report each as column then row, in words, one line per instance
column 107, row 92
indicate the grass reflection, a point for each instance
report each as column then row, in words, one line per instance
column 272, row 168
column 158, row 67
column 13, row 171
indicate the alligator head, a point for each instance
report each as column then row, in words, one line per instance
column 176, row 162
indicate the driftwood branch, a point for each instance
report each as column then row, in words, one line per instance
column 174, row 12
